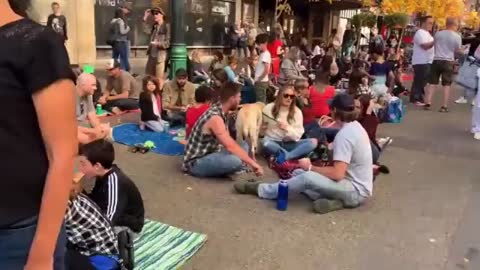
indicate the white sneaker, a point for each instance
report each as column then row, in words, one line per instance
column 473, row 102
column 384, row 142
column 477, row 136
column 461, row 100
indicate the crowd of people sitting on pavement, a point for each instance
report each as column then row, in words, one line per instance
column 313, row 114
column 317, row 127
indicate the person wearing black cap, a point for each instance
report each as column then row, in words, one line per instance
column 346, row 184
column 178, row 95
column 159, row 42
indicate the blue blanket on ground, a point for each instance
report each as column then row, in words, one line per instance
column 130, row 134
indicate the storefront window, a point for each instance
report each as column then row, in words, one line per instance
column 105, row 11
column 206, row 21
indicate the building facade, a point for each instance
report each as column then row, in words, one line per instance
column 206, row 22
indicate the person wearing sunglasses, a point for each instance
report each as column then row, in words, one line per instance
column 159, row 42
column 283, row 122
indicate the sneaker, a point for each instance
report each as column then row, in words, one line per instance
column 247, row 187
column 419, row 104
column 461, row 100
column 384, row 142
column 243, row 175
column 323, row 206
column 477, row 136
column 473, row 102
column 280, row 158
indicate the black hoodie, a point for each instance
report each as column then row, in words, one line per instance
column 119, row 198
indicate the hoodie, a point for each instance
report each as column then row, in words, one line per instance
column 119, row 198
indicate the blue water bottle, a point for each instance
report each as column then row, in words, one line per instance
column 282, row 197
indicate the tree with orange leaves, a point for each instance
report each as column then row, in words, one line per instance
column 438, row 9
column 472, row 20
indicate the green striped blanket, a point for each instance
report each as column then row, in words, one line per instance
column 162, row 246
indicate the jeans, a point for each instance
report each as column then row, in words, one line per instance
column 15, row 244
column 218, row 164
column 176, row 118
column 156, row 126
column 313, row 130
column 420, row 79
column 317, row 186
column 292, row 150
column 126, row 104
column 120, row 51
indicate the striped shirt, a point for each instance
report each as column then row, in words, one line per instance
column 199, row 143
column 120, row 200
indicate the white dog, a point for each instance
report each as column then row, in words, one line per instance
column 248, row 125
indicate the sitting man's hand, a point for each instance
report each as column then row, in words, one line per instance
column 305, row 164
column 102, row 100
column 257, row 169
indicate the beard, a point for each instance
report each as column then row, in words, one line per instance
column 20, row 6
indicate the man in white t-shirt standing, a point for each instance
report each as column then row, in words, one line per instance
column 447, row 43
column 262, row 69
column 422, row 59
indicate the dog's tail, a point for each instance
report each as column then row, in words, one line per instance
column 249, row 134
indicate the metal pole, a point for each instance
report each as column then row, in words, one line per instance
column 178, row 51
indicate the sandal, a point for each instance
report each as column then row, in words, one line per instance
column 443, row 109
column 427, row 107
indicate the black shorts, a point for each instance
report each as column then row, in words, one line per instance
column 441, row 69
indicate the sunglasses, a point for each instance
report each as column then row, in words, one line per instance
column 288, row 96
column 156, row 13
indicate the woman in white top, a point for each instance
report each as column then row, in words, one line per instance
column 284, row 128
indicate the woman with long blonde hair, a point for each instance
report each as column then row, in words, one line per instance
column 284, row 128
column 197, row 71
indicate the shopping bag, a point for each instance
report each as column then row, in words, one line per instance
column 467, row 74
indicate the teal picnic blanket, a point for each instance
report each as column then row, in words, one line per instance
column 161, row 246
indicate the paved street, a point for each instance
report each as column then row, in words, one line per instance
column 423, row 216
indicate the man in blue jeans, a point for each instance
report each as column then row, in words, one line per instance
column 210, row 151
column 346, row 184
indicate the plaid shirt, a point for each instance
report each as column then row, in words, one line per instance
column 200, row 144
column 88, row 230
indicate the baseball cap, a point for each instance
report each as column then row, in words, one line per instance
column 342, row 102
column 158, row 9
column 112, row 64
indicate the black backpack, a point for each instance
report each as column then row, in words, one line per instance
column 112, row 34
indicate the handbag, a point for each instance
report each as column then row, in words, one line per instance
column 467, row 74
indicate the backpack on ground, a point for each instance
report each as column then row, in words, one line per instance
column 126, row 249
column 394, row 112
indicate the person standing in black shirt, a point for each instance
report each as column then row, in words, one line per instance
column 37, row 98
column 57, row 21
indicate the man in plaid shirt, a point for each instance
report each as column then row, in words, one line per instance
column 90, row 235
